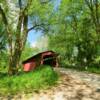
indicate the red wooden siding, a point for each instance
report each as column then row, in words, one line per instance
column 48, row 57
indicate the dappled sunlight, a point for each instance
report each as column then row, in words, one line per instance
column 71, row 86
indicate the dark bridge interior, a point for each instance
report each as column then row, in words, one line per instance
column 49, row 60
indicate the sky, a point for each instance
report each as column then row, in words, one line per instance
column 33, row 35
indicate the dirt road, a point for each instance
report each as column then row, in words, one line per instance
column 72, row 85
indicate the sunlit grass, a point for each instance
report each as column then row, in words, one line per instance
column 91, row 69
column 41, row 78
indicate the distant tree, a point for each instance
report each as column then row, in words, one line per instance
column 94, row 9
column 75, row 28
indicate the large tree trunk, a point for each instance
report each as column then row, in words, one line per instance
column 14, row 62
column 12, row 69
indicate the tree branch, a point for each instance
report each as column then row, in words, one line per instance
column 20, row 4
column 33, row 27
column 40, row 25
column 45, row 1
column 97, row 15
column 89, row 4
column 8, row 32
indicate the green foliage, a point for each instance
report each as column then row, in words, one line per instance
column 28, row 51
column 94, row 69
column 74, row 36
column 41, row 78
column 90, row 69
column 40, row 13
column 86, row 42
column 3, row 62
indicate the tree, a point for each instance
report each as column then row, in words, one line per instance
column 24, row 11
column 86, row 43
column 94, row 8
column 74, row 28
column 65, row 29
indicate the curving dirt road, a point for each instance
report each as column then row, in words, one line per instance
column 72, row 85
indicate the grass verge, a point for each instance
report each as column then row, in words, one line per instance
column 91, row 69
column 41, row 78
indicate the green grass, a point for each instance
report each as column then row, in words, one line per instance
column 94, row 69
column 41, row 78
column 91, row 69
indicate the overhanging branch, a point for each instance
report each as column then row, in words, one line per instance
column 45, row 1
column 20, row 4
column 41, row 26
column 33, row 27
column 37, row 25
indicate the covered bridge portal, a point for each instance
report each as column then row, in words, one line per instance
column 43, row 58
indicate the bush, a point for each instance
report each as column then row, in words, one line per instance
column 41, row 78
column 93, row 69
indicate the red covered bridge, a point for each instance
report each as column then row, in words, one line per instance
column 43, row 58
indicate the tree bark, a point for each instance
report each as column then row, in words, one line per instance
column 20, row 41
